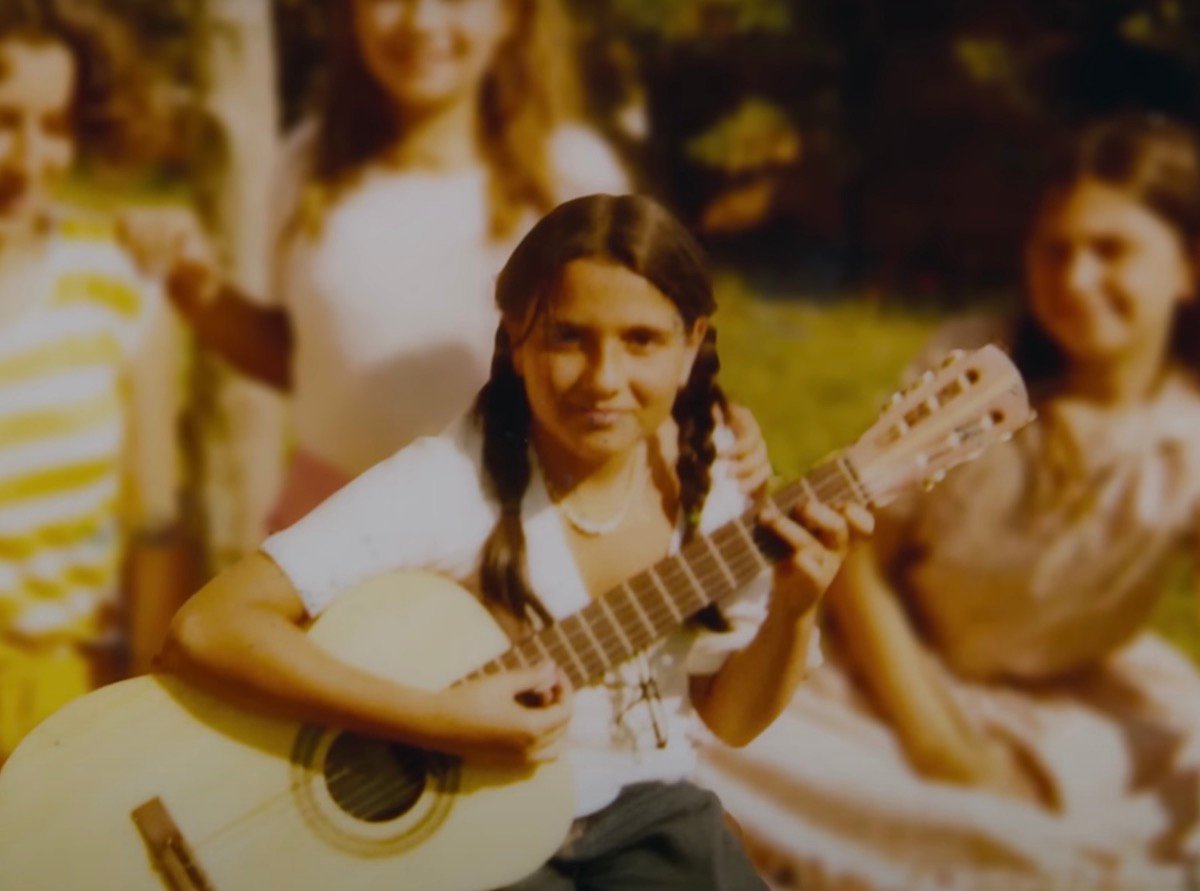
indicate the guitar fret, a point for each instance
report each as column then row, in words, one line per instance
column 855, row 484
column 562, row 636
column 719, row 560
column 831, row 478
column 518, row 657
column 651, row 629
column 539, row 644
column 661, row 588
column 692, row 580
column 619, row 607
column 751, row 548
column 675, row 578
column 706, row 574
column 592, row 639
column 810, row 492
column 650, row 598
column 742, row 560
column 630, row 649
column 565, row 631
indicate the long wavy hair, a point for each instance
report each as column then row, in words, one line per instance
column 105, row 88
column 640, row 235
column 530, row 87
column 1156, row 162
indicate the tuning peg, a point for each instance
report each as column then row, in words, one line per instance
column 952, row 357
column 933, row 479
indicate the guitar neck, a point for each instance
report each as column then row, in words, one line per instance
column 644, row 608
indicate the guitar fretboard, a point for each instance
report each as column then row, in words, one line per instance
column 642, row 609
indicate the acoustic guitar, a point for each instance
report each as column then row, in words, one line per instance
column 150, row 783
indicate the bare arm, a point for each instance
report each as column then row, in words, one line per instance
column 241, row 637
column 254, row 339
column 881, row 642
column 159, row 556
column 168, row 243
column 755, row 684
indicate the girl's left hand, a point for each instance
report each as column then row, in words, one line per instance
column 819, row 537
column 748, row 452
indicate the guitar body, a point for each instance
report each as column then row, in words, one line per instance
column 264, row 803
column 149, row 783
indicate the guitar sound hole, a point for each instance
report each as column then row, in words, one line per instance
column 372, row 780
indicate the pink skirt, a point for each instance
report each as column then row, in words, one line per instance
column 828, row 799
column 310, row 480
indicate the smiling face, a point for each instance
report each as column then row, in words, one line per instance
column 603, row 363
column 1106, row 273
column 428, row 53
column 36, row 143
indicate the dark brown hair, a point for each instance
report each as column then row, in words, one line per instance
column 528, row 90
column 113, row 113
column 640, row 235
column 1154, row 160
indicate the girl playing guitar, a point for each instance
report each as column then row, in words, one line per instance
column 589, row 454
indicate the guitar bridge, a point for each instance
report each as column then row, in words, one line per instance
column 169, row 850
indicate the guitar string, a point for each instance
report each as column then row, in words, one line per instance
column 657, row 611
column 836, row 481
column 965, row 434
column 707, row 579
column 659, row 606
column 824, row 481
column 663, row 615
column 827, row 480
column 374, row 793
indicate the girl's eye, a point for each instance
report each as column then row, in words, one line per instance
column 1110, row 248
column 642, row 338
column 563, row 335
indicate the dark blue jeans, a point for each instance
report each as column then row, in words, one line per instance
column 668, row 836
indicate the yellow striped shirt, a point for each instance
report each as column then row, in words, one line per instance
column 62, row 433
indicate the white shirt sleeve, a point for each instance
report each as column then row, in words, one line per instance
column 422, row 508
column 745, row 614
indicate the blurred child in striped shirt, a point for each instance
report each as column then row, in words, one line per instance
column 89, row 387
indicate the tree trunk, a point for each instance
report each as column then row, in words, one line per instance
column 243, row 440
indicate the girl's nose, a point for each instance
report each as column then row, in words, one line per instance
column 607, row 368
column 1082, row 272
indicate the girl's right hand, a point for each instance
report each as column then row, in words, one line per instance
column 513, row 719
column 169, row 243
column 157, row 238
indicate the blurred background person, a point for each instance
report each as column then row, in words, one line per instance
column 996, row 710
column 446, row 128
column 90, row 566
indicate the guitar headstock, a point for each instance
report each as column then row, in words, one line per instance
column 946, row 417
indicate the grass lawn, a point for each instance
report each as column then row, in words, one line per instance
column 815, row 376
